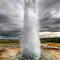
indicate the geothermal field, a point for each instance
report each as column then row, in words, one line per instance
column 12, row 50
column 30, row 17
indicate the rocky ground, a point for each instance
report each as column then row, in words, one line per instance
column 9, row 53
column 14, row 54
column 50, row 52
column 55, row 54
column 50, row 55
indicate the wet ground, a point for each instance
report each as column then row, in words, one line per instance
column 50, row 55
column 10, row 53
column 14, row 54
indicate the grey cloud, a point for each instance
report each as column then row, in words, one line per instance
column 50, row 25
column 47, row 22
column 47, row 3
column 3, row 19
column 11, row 16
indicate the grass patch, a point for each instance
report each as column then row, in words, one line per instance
column 9, row 42
column 50, row 40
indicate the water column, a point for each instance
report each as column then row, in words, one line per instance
column 31, row 42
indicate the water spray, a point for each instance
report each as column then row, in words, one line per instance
column 31, row 42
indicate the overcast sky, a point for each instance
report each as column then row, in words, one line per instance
column 12, row 15
column 49, row 15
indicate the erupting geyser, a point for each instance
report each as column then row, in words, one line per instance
column 31, row 42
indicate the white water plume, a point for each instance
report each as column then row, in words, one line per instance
column 31, row 42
